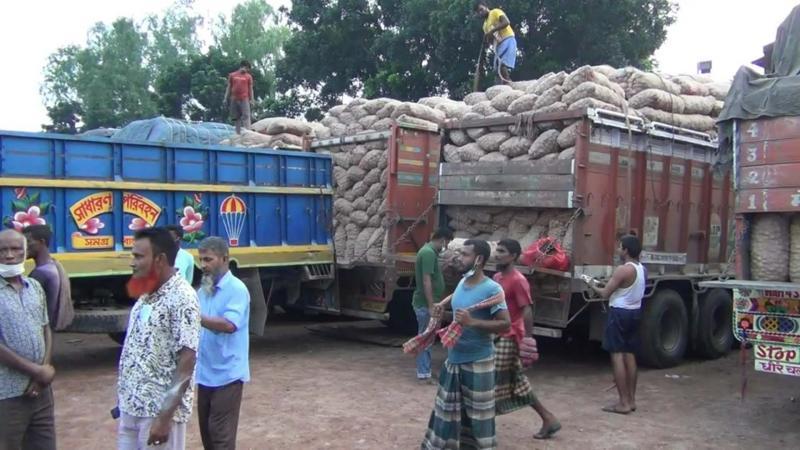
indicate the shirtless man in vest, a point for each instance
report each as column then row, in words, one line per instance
column 624, row 292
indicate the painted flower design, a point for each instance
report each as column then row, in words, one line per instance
column 191, row 220
column 137, row 223
column 93, row 226
column 24, row 219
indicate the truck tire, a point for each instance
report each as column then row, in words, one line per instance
column 715, row 332
column 664, row 330
column 119, row 338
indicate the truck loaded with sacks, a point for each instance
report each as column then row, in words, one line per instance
column 760, row 140
column 571, row 160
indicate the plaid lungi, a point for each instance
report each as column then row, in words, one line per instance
column 463, row 416
column 512, row 390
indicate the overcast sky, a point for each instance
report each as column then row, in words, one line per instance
column 728, row 32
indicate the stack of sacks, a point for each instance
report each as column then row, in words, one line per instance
column 360, row 174
column 278, row 132
column 362, row 115
column 691, row 102
column 686, row 101
column 525, row 225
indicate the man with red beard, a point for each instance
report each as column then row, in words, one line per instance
column 155, row 388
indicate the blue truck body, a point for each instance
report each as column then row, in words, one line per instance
column 274, row 207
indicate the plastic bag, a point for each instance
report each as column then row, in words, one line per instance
column 546, row 253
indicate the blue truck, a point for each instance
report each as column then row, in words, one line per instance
column 274, row 208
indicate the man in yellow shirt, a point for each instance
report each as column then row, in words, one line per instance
column 497, row 31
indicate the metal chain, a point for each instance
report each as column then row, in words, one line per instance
column 549, row 247
column 403, row 236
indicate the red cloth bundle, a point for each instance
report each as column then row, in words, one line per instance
column 528, row 351
column 450, row 335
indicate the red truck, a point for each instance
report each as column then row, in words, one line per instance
column 627, row 176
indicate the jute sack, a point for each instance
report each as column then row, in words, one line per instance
column 769, row 254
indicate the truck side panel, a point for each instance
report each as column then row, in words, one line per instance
column 274, row 207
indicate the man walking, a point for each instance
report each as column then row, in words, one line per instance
column 464, row 411
column 240, row 93
column 184, row 261
column 428, row 291
column 513, row 389
column 223, row 364
column 624, row 292
column 497, row 31
column 26, row 398
column 51, row 275
column 155, row 388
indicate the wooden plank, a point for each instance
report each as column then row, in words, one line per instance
column 769, row 129
column 769, row 176
column 500, row 121
column 769, row 152
column 556, row 167
column 524, row 199
column 508, row 182
column 768, row 200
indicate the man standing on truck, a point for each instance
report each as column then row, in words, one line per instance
column 464, row 411
column 624, row 292
column 223, row 365
column 155, row 387
column 26, row 398
column 240, row 94
column 184, row 261
column 497, row 31
column 51, row 275
column 513, row 389
column 428, row 291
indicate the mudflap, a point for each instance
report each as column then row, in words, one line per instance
column 258, row 304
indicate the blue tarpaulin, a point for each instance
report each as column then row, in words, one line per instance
column 173, row 131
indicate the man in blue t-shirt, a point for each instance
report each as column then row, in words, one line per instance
column 463, row 415
column 223, row 361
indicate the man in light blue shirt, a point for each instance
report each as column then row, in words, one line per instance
column 223, row 361
column 464, row 411
column 184, row 261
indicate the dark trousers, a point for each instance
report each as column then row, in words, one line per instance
column 27, row 423
column 218, row 410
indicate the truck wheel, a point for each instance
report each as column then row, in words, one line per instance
column 664, row 330
column 119, row 338
column 715, row 335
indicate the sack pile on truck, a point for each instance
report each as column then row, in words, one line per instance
column 360, row 175
column 687, row 101
column 278, row 132
column 362, row 115
column 492, row 224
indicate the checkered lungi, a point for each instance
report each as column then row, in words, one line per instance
column 463, row 416
column 512, row 389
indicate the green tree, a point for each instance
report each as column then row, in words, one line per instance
column 107, row 80
column 173, row 36
column 411, row 48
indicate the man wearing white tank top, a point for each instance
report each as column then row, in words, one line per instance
column 624, row 292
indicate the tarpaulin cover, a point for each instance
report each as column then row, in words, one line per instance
column 777, row 93
column 172, row 131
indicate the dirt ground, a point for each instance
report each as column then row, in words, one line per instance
column 314, row 392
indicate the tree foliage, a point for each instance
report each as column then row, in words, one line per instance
column 128, row 71
column 411, row 48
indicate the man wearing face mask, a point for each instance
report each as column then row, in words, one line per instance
column 428, row 291
column 463, row 415
column 155, row 388
column 513, row 390
column 223, row 365
column 26, row 399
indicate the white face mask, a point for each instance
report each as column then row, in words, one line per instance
column 12, row 270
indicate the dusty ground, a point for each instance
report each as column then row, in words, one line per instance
column 313, row 392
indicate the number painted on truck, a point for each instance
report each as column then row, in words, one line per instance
column 752, row 130
column 752, row 177
column 752, row 154
column 751, row 201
